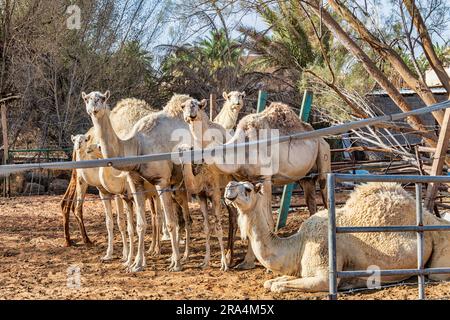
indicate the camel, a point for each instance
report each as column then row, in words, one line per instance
column 300, row 157
column 303, row 257
column 228, row 115
column 108, row 181
column 203, row 181
column 150, row 135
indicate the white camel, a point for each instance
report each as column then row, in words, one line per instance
column 292, row 161
column 303, row 257
column 228, row 115
column 150, row 135
column 109, row 181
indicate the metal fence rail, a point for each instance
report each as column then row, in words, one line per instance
column 200, row 153
column 334, row 274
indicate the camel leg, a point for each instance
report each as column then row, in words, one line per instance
column 67, row 203
column 165, row 232
column 206, row 230
column 122, row 227
column 130, row 229
column 137, row 188
column 232, row 228
column 309, row 189
column 318, row 283
column 181, row 198
column 80, row 194
column 268, row 283
column 171, row 220
column 249, row 260
column 155, row 247
column 217, row 209
column 109, row 218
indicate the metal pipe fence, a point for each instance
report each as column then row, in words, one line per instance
column 419, row 228
column 5, row 170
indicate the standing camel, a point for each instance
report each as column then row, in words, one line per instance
column 228, row 115
column 108, row 181
column 206, row 183
column 150, row 135
column 293, row 161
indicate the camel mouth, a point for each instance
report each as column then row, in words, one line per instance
column 231, row 197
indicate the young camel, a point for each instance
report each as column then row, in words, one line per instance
column 291, row 163
column 151, row 135
column 228, row 115
column 303, row 257
column 203, row 180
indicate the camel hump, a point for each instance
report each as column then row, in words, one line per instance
column 173, row 107
column 379, row 203
column 276, row 116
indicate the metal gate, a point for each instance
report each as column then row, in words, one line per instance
column 419, row 228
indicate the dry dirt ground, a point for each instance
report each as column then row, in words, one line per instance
column 34, row 265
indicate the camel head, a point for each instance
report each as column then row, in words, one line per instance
column 96, row 103
column 95, row 150
column 243, row 195
column 234, row 99
column 80, row 141
column 192, row 110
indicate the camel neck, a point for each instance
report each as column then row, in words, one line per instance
column 281, row 255
column 227, row 117
column 110, row 143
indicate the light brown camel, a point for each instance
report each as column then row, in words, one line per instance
column 151, row 135
column 203, row 180
column 303, row 257
column 290, row 163
column 228, row 115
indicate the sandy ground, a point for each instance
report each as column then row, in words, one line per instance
column 34, row 265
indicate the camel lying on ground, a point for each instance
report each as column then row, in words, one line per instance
column 303, row 257
column 293, row 161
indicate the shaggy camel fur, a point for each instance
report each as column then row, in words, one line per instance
column 204, row 181
column 151, row 135
column 228, row 116
column 303, row 257
column 295, row 159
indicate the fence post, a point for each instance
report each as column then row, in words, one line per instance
column 332, row 264
column 5, row 148
column 438, row 160
column 212, row 106
column 420, row 241
column 288, row 189
column 262, row 100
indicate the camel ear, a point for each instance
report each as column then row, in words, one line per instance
column 107, row 94
column 225, row 95
column 83, row 95
column 259, row 188
column 72, row 137
column 88, row 137
column 203, row 103
column 243, row 94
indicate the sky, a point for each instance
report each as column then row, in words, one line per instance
column 254, row 20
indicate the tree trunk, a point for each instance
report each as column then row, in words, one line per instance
column 391, row 55
column 414, row 121
column 427, row 44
